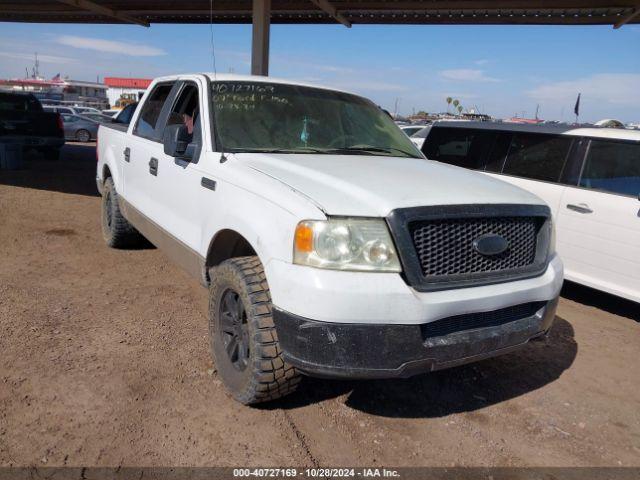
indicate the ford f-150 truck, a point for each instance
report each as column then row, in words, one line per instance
column 330, row 246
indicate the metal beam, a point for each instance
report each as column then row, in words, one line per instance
column 94, row 7
column 260, row 40
column 326, row 7
column 628, row 18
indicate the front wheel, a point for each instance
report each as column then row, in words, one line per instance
column 244, row 341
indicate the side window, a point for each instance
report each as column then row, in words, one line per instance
column 186, row 111
column 126, row 114
column 68, row 118
column 613, row 167
column 463, row 147
column 495, row 159
column 148, row 118
column 538, row 157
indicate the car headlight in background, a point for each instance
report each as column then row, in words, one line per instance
column 345, row 244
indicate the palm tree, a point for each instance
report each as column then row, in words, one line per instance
column 449, row 100
column 456, row 102
column 459, row 109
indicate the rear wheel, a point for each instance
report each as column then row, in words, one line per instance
column 244, row 341
column 83, row 135
column 116, row 230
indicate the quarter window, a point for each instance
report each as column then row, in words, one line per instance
column 463, row 147
column 538, row 157
column 613, row 167
column 146, row 124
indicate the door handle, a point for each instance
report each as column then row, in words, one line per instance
column 580, row 208
column 127, row 154
column 153, row 166
column 208, row 183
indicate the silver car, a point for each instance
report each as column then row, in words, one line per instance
column 79, row 128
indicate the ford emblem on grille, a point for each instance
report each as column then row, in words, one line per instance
column 490, row 244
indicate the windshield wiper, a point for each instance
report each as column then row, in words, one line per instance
column 277, row 150
column 373, row 148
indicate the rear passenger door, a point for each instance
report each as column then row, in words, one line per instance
column 599, row 219
column 535, row 162
column 143, row 146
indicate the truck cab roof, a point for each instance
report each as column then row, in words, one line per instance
column 232, row 77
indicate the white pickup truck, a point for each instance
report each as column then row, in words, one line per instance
column 330, row 246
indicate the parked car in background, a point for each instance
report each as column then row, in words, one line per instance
column 329, row 244
column 411, row 129
column 590, row 177
column 60, row 109
column 24, row 122
column 80, row 129
column 97, row 117
column 111, row 112
column 86, row 110
column 418, row 137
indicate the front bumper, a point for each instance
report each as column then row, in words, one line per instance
column 385, row 298
column 341, row 350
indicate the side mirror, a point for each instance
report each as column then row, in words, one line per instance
column 176, row 141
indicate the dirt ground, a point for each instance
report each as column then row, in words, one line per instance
column 105, row 362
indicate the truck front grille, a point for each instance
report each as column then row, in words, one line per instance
column 441, row 246
column 445, row 246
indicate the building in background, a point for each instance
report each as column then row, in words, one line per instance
column 123, row 91
column 63, row 91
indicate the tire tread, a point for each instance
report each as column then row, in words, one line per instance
column 122, row 234
column 271, row 377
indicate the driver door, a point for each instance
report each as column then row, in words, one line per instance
column 179, row 181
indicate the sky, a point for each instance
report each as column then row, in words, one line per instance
column 499, row 70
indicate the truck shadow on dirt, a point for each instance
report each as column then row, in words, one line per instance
column 74, row 172
column 601, row 300
column 462, row 389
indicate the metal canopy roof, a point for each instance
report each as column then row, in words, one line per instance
column 145, row 12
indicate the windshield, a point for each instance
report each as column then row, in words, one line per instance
column 272, row 117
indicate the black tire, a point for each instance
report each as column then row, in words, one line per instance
column 116, row 230
column 83, row 135
column 255, row 372
column 51, row 153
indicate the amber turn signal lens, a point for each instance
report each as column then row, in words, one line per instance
column 304, row 238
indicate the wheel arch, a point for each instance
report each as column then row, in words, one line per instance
column 226, row 244
column 107, row 168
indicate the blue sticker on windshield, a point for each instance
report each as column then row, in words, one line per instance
column 304, row 135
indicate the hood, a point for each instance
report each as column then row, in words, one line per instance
column 373, row 186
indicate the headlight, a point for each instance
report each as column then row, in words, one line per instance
column 345, row 244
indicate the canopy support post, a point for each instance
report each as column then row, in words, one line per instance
column 260, row 40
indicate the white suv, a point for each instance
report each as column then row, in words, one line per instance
column 329, row 244
column 590, row 177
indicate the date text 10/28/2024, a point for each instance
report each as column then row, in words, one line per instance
column 316, row 472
